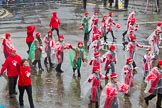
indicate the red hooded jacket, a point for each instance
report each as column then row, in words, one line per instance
column 24, row 76
column 12, row 64
column 55, row 22
column 30, row 36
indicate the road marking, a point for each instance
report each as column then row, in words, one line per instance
column 153, row 22
column 6, row 14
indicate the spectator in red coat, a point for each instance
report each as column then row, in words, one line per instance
column 7, row 45
column 25, row 83
column 12, row 64
column 30, row 36
column 55, row 22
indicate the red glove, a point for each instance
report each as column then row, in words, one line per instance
column 70, row 46
column 40, row 49
column 106, row 77
column 115, row 62
column 89, row 80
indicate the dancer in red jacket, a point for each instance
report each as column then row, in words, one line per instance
column 7, row 45
column 55, row 22
column 12, row 64
column 24, row 83
column 30, row 36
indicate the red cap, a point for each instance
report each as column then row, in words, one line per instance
column 13, row 50
column 29, row 27
column 133, row 20
column 86, row 13
column 160, row 62
column 104, row 16
column 129, row 60
column 7, row 35
column 96, row 54
column 95, row 11
column 110, row 13
column 95, row 20
column 112, row 47
column 96, row 68
column 96, row 36
column 132, row 38
column 61, row 37
column 49, row 31
column 80, row 43
column 113, row 75
column 38, row 34
column 54, row 13
column 159, row 23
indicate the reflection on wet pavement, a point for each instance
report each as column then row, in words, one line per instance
column 63, row 91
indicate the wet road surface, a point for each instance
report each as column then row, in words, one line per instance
column 52, row 91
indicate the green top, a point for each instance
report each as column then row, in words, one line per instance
column 85, row 23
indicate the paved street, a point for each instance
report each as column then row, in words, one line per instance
column 63, row 91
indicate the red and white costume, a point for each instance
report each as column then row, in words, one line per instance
column 156, row 39
column 110, row 22
column 111, row 59
column 95, row 80
column 153, row 80
column 60, row 47
column 94, row 30
column 131, row 28
column 49, row 42
column 97, row 60
column 147, row 62
column 94, row 16
column 7, row 45
column 131, row 15
column 109, row 95
column 127, row 74
column 131, row 48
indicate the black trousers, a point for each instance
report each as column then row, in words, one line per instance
column 126, row 2
column 84, row 4
column 29, row 93
column 105, row 3
column 112, row 34
column 29, row 44
column 39, row 63
column 125, row 32
column 12, row 81
column 78, row 70
column 159, row 99
column 57, row 30
column 158, row 4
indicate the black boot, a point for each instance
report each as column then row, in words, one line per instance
column 45, row 61
column 57, row 68
column 146, row 101
column 40, row 66
column 34, row 64
column 112, row 34
column 96, row 105
column 107, row 71
column 79, row 76
column 124, row 45
column 74, row 72
column 60, row 68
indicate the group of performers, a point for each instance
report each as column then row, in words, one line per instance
column 94, row 31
